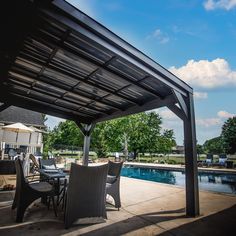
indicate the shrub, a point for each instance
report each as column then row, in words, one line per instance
column 171, row 162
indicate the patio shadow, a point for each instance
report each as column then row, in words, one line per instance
column 218, row 224
column 160, row 223
column 56, row 228
column 138, row 222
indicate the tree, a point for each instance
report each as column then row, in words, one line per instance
column 44, row 118
column 200, row 149
column 136, row 133
column 47, row 142
column 228, row 135
column 213, row 146
column 65, row 134
column 98, row 143
column 140, row 132
column 166, row 142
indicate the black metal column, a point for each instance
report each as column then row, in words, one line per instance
column 192, row 192
column 86, row 150
column 86, row 130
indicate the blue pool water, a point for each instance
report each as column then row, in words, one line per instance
column 224, row 183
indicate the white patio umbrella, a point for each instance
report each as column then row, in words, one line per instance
column 18, row 128
column 36, row 130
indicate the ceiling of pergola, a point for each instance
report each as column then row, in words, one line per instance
column 58, row 61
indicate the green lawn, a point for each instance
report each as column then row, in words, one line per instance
column 142, row 158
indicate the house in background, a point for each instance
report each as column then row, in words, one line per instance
column 30, row 142
column 178, row 150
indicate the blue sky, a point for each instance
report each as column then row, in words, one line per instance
column 195, row 39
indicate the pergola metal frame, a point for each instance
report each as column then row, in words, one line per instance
column 57, row 60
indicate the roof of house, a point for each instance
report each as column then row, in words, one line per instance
column 15, row 114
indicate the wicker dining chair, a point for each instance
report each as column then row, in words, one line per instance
column 29, row 191
column 113, row 182
column 35, row 164
column 86, row 194
column 47, row 163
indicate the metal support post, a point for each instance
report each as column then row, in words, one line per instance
column 87, row 139
column 86, row 130
column 191, row 172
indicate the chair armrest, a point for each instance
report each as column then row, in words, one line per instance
column 31, row 176
column 44, row 179
column 32, row 181
column 111, row 179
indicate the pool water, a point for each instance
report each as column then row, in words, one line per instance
column 223, row 183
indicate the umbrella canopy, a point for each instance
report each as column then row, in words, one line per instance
column 37, row 130
column 18, row 128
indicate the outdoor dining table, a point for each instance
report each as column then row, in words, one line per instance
column 55, row 175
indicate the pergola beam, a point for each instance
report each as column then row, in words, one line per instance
column 181, row 102
column 177, row 111
column 153, row 104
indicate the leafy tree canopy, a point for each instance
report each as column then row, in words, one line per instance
column 66, row 133
column 213, row 146
column 136, row 133
column 228, row 135
column 200, row 149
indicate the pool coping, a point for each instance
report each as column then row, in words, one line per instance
column 180, row 168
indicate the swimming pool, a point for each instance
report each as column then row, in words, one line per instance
column 223, row 183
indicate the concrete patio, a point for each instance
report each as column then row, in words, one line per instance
column 148, row 208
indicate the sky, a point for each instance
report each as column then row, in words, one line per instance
column 194, row 39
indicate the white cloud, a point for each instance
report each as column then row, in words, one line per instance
column 160, row 36
column 167, row 114
column 206, row 128
column 208, row 122
column 217, row 121
column 206, row 74
column 225, row 114
column 200, row 95
column 219, row 4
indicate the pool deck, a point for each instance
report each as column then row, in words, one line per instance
column 180, row 167
column 148, row 208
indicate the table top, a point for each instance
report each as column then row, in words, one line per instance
column 53, row 173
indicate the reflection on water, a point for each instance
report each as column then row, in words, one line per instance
column 207, row 181
column 150, row 174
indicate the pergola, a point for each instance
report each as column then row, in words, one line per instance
column 57, row 60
